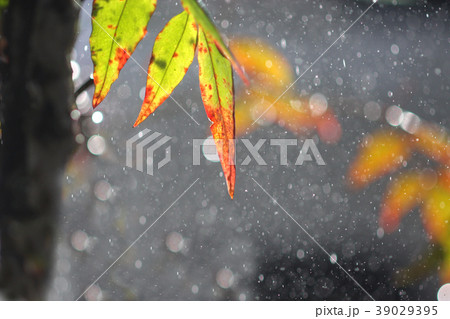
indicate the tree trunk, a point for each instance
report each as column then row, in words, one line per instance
column 37, row 139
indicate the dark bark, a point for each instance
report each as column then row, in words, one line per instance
column 37, row 140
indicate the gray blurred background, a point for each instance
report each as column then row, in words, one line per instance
column 208, row 247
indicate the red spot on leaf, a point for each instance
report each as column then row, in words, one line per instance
column 96, row 79
column 97, row 97
column 121, row 56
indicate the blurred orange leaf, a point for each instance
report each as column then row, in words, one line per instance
column 292, row 114
column 444, row 272
column 380, row 153
column 328, row 127
column 403, row 194
column 268, row 98
column 263, row 64
column 436, row 214
column 433, row 142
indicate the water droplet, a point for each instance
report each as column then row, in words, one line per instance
column 142, row 93
column 194, row 289
column 94, row 293
column 142, row 220
column 395, row 49
column 209, row 150
column 102, row 190
column 82, row 102
column 372, row 111
column 79, row 138
column 75, row 70
column 333, row 258
column 174, row 242
column 318, row 104
column 300, row 254
column 138, row 264
column 79, row 240
column 225, row 278
column 444, row 293
column 380, row 232
column 97, row 117
column 394, row 115
column 96, row 145
column 75, row 115
column 410, row 123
